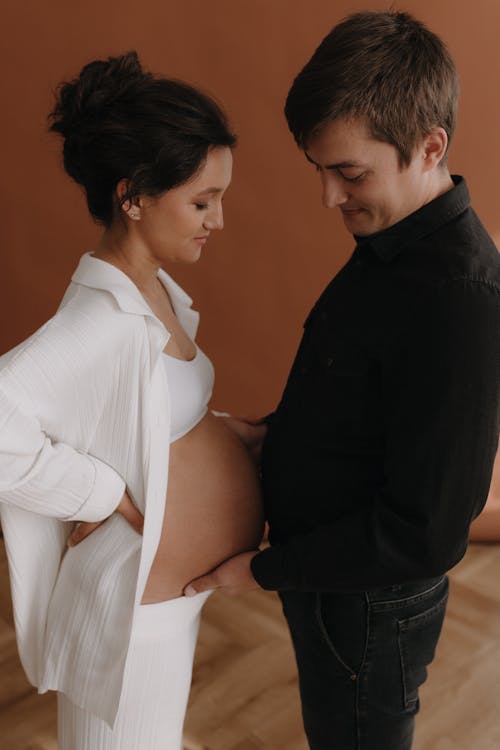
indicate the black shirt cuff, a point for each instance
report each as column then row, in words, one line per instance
column 270, row 570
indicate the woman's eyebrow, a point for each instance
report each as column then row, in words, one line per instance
column 210, row 190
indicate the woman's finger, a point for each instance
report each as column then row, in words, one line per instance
column 82, row 530
column 130, row 513
column 126, row 508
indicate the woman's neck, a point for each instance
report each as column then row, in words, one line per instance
column 128, row 253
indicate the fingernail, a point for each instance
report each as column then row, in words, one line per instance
column 190, row 591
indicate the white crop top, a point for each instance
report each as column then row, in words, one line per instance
column 190, row 383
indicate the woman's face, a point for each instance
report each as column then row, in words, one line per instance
column 175, row 226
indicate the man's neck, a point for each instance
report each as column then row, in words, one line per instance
column 440, row 185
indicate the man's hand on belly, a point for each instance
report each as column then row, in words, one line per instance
column 234, row 576
column 250, row 431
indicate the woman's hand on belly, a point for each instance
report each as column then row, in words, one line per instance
column 233, row 576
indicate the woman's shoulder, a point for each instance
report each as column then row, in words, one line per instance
column 87, row 311
column 87, row 330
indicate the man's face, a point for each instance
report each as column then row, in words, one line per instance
column 362, row 176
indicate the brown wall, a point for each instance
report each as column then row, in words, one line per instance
column 257, row 279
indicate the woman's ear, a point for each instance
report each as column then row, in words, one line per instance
column 131, row 209
column 434, row 148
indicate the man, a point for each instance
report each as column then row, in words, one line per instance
column 380, row 452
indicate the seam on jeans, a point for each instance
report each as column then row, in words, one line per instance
column 408, row 703
column 386, row 604
column 404, row 626
column 356, row 715
column 324, row 633
column 360, row 672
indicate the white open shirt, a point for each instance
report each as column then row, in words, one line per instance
column 84, row 413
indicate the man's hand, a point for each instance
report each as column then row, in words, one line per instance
column 233, row 576
column 126, row 508
column 250, row 431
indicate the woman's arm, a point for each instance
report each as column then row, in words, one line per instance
column 54, row 385
column 51, row 478
column 126, row 508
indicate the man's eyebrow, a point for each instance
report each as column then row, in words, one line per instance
column 339, row 165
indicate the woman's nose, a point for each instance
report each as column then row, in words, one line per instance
column 215, row 219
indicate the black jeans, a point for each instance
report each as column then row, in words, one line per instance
column 361, row 659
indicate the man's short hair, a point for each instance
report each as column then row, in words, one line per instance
column 386, row 68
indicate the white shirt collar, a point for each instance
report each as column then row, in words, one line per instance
column 98, row 274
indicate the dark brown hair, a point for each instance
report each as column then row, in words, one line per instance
column 386, row 68
column 121, row 122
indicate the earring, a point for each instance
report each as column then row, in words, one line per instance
column 134, row 215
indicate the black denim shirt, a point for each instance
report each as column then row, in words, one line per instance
column 381, row 450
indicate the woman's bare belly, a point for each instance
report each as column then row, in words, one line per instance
column 213, row 508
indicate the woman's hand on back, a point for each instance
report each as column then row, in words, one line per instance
column 126, row 508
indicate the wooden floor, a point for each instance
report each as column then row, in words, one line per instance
column 244, row 694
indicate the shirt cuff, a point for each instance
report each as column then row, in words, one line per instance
column 271, row 570
column 107, row 491
column 268, row 418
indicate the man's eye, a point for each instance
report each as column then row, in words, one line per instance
column 201, row 206
column 357, row 178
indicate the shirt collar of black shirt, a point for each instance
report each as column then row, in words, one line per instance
column 391, row 241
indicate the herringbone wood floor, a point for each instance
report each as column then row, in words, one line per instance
column 244, row 694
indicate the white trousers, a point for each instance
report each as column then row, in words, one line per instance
column 155, row 689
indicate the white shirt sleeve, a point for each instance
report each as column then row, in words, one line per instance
column 51, row 478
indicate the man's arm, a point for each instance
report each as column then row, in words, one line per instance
column 442, row 400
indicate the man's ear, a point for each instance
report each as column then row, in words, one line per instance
column 434, row 147
column 131, row 210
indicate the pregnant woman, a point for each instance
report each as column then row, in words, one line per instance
column 104, row 422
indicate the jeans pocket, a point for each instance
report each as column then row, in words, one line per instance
column 418, row 637
column 342, row 621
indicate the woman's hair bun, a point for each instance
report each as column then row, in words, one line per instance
column 120, row 122
column 99, row 84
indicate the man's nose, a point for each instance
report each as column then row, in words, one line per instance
column 333, row 190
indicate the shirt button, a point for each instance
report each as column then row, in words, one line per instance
column 329, row 361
